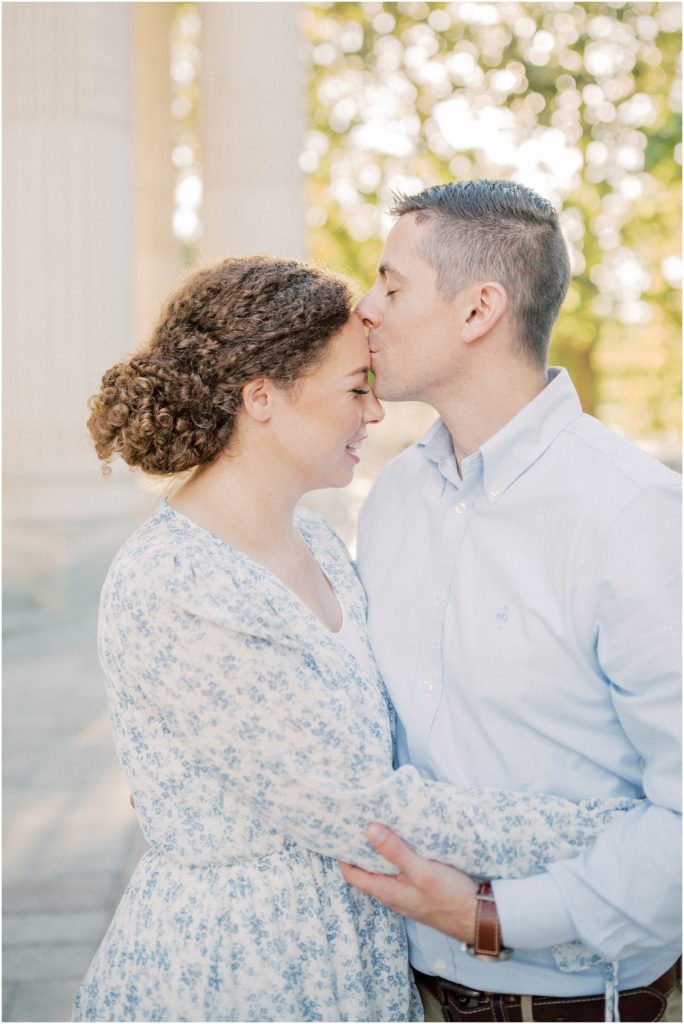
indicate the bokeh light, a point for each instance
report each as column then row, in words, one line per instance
column 581, row 101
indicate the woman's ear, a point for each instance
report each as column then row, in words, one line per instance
column 488, row 303
column 257, row 398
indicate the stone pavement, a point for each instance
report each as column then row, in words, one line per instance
column 70, row 837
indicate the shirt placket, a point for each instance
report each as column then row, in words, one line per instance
column 458, row 507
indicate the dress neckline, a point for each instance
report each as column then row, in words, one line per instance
column 335, row 634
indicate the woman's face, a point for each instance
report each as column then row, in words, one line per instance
column 322, row 422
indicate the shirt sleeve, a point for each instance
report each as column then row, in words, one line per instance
column 289, row 745
column 623, row 895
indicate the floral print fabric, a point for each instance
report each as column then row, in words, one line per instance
column 258, row 749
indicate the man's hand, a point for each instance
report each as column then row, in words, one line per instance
column 425, row 890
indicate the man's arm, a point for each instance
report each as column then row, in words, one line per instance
column 429, row 892
column 624, row 894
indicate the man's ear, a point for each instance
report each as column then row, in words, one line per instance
column 487, row 304
column 258, row 399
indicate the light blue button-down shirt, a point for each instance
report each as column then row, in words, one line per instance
column 526, row 618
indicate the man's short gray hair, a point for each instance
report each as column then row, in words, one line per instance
column 503, row 232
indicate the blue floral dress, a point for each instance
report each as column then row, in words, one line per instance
column 258, row 748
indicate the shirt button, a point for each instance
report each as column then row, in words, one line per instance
column 493, row 491
column 461, row 507
column 440, row 966
column 441, row 594
column 428, row 685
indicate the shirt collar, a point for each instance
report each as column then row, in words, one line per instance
column 521, row 441
column 437, row 442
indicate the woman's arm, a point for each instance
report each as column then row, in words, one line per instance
column 285, row 745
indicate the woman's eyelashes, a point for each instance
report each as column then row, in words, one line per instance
column 359, row 391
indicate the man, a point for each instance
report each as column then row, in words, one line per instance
column 521, row 563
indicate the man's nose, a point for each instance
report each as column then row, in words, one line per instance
column 373, row 411
column 366, row 312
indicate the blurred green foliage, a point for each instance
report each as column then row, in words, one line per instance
column 581, row 101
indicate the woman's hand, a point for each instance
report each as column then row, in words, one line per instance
column 425, row 890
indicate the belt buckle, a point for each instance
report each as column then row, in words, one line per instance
column 505, row 954
column 467, row 998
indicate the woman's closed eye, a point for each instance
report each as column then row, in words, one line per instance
column 359, row 391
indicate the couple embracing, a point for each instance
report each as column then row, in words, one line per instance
column 450, row 769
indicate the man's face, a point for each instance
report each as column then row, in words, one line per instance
column 412, row 327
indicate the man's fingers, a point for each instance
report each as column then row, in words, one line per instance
column 360, row 879
column 386, row 888
column 392, row 848
column 389, row 889
column 349, row 872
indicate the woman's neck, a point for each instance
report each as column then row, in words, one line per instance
column 244, row 501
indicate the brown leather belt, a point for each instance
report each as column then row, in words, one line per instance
column 459, row 1003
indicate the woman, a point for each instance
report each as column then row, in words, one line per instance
column 248, row 714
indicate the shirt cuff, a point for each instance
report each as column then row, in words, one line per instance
column 532, row 913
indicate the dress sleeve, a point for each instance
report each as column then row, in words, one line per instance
column 293, row 749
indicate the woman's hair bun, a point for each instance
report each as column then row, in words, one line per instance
column 155, row 420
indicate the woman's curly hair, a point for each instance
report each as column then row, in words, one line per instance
column 173, row 406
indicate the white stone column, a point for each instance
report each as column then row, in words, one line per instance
column 68, row 281
column 252, row 122
column 158, row 253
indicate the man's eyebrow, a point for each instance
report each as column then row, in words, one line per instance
column 362, row 369
column 386, row 268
